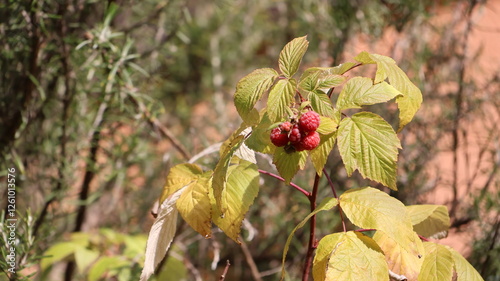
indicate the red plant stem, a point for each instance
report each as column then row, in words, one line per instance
column 423, row 238
column 364, row 230
column 312, row 231
column 305, row 192
column 336, row 197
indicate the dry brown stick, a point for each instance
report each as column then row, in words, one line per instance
column 223, row 276
column 250, row 261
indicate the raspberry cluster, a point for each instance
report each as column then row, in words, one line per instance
column 299, row 135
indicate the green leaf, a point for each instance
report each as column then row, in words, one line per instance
column 250, row 89
column 161, row 234
column 361, row 91
column 368, row 143
column 349, row 256
column 411, row 100
column 288, row 164
column 194, row 205
column 178, row 177
column 326, row 204
column 59, row 252
column 399, row 260
column 241, row 189
column 430, row 221
column 319, row 155
column 437, row 264
column 465, row 271
column 369, row 208
column 220, row 171
column 260, row 140
column 280, row 97
column 173, row 270
column 105, row 264
column 319, row 79
column 85, row 257
column 321, row 103
column 310, row 81
column 330, row 81
column 291, row 56
column 326, row 125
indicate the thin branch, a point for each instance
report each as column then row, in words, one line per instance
column 249, row 259
column 223, row 276
column 336, row 197
column 312, row 230
column 305, row 192
column 397, row 277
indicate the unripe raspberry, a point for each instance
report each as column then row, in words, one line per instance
column 285, row 126
column 309, row 121
column 308, row 142
column 278, row 138
column 295, row 135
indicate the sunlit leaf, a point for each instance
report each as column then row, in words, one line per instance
column 368, row 143
column 291, row 56
column 326, row 125
column 399, row 260
column 250, row 89
column 105, row 264
column 178, row 177
column 437, row 264
column 411, row 100
column 58, row 252
column 289, row 163
column 465, row 271
column 326, row 204
column 241, row 189
column 349, row 256
column 431, row 221
column 280, row 97
column 371, row 208
column 161, row 234
column 319, row 155
column 84, row 258
column 260, row 140
column 321, row 103
column 361, row 91
column 194, row 205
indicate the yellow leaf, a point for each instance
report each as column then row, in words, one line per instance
column 349, row 256
column 178, row 177
column 465, row 271
column 399, row 260
column 431, row 221
column 195, row 208
column 437, row 264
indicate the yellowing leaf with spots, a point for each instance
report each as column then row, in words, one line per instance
column 438, row 263
column 178, row 177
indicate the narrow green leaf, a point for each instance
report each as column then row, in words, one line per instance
column 194, row 206
column 368, row 143
column 105, row 264
column 220, row 171
column 280, row 97
column 368, row 207
column 321, row 103
column 399, row 260
column 178, row 177
column 349, row 256
column 250, row 89
column 430, row 221
column 465, row 271
column 58, row 252
column 326, row 204
column 361, row 91
column 411, row 100
column 437, row 264
column 241, row 190
column 319, row 155
column 288, row 164
column 291, row 56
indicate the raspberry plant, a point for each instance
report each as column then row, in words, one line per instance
column 298, row 121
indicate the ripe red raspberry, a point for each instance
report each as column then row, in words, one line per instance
column 309, row 121
column 279, row 138
column 308, row 142
column 295, row 135
column 285, row 126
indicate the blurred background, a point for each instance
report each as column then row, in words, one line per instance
column 98, row 99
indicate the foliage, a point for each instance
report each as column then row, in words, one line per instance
column 366, row 142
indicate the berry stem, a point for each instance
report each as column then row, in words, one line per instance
column 336, row 197
column 312, row 231
column 305, row 192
